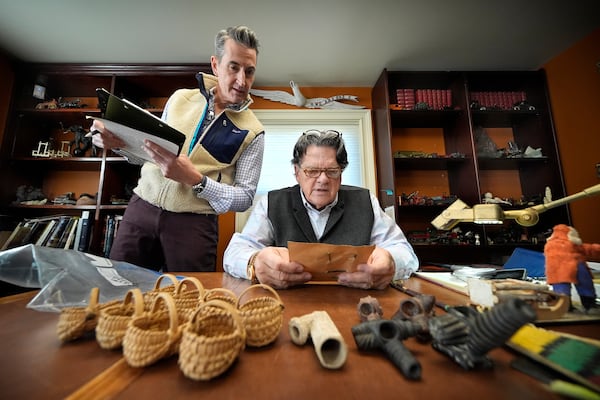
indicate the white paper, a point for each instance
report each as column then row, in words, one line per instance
column 134, row 140
column 113, row 277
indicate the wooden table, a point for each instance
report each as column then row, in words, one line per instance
column 36, row 365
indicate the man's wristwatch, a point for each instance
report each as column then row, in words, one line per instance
column 250, row 272
column 199, row 187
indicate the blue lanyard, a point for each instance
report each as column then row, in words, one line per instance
column 198, row 131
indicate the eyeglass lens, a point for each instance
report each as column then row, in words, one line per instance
column 332, row 173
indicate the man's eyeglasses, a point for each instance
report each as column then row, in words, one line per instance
column 332, row 173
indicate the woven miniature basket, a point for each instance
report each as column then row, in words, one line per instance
column 153, row 334
column 211, row 341
column 222, row 294
column 188, row 295
column 74, row 322
column 151, row 295
column 113, row 320
column 262, row 315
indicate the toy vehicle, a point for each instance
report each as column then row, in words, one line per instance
column 523, row 105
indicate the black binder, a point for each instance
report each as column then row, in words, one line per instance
column 133, row 124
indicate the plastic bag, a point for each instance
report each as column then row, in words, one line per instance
column 66, row 277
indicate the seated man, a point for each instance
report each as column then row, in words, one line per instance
column 319, row 209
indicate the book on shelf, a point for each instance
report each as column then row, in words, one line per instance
column 41, row 241
column 72, row 229
column 4, row 235
column 109, row 227
column 133, row 125
column 85, row 231
column 77, row 237
column 65, row 234
column 15, row 236
column 58, row 231
column 110, row 231
column 118, row 219
column 29, row 231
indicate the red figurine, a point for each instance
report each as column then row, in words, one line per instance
column 566, row 263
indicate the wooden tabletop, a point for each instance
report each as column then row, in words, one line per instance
column 35, row 364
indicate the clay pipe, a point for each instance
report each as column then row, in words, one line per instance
column 387, row 335
column 399, row 286
column 327, row 340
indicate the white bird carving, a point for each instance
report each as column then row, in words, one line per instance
column 297, row 98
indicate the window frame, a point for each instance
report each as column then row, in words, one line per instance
column 309, row 119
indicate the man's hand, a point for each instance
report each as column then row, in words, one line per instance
column 377, row 273
column 178, row 168
column 102, row 137
column 273, row 267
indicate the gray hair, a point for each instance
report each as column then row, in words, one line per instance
column 328, row 138
column 241, row 34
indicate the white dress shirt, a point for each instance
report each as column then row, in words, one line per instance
column 258, row 234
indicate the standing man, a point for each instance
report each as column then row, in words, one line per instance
column 171, row 221
column 319, row 209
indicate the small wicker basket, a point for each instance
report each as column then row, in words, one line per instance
column 153, row 334
column 222, row 294
column 151, row 295
column 211, row 341
column 74, row 322
column 262, row 315
column 188, row 295
column 113, row 320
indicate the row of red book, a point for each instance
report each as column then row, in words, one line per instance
column 435, row 99
column 498, row 100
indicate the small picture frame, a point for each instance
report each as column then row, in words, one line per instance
column 39, row 92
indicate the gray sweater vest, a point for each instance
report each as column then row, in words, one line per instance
column 350, row 221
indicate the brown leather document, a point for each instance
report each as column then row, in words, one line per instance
column 326, row 261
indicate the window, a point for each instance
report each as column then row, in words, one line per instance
column 283, row 127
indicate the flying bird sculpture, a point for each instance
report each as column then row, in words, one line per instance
column 297, row 98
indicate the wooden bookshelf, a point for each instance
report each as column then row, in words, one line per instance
column 456, row 130
column 101, row 174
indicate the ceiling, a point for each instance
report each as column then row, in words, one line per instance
column 313, row 42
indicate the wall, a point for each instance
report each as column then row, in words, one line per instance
column 574, row 85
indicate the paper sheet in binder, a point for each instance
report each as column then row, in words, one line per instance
column 133, row 125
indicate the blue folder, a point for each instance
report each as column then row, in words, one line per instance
column 532, row 261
